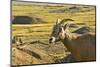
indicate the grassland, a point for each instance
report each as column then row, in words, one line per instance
column 30, row 32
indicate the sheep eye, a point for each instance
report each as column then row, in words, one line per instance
column 60, row 29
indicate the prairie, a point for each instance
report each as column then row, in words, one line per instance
column 49, row 53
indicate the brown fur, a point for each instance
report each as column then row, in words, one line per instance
column 82, row 47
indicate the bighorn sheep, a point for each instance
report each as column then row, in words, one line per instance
column 82, row 47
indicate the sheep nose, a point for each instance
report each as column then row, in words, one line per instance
column 50, row 40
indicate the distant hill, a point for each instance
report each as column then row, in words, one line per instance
column 26, row 20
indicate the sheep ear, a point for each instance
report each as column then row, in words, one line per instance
column 58, row 21
column 66, row 26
